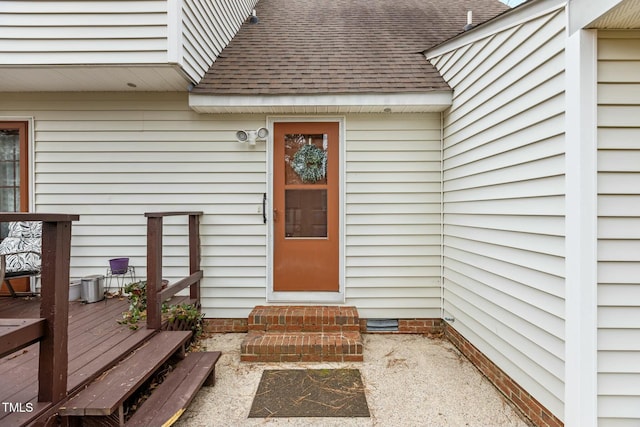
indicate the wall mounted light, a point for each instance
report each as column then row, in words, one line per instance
column 251, row 136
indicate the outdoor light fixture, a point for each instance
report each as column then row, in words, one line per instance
column 251, row 136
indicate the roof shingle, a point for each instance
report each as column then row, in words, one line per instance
column 340, row 46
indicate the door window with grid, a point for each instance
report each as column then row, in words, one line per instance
column 13, row 169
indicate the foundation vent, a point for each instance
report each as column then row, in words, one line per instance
column 382, row 325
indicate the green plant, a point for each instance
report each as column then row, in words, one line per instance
column 137, row 295
column 185, row 317
column 179, row 317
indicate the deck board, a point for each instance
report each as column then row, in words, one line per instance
column 104, row 396
column 173, row 396
column 17, row 334
column 96, row 342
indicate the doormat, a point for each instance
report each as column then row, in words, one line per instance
column 310, row 393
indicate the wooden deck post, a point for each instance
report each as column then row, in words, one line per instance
column 155, row 295
column 54, row 305
column 154, row 271
column 56, row 255
column 194, row 254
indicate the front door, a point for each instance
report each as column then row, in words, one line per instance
column 306, row 212
column 13, row 180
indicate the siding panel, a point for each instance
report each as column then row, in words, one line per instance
column 111, row 157
column 393, row 215
column 208, row 26
column 188, row 33
column 44, row 32
column 618, row 225
column 112, row 161
column 503, row 169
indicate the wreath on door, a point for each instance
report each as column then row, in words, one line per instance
column 310, row 163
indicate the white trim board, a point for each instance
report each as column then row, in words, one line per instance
column 581, row 364
column 323, row 103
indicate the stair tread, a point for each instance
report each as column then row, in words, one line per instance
column 103, row 357
column 171, row 398
column 303, row 318
column 278, row 312
column 302, row 333
column 310, row 337
column 302, row 346
column 105, row 394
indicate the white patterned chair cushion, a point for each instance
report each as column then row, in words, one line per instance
column 25, row 229
column 23, row 247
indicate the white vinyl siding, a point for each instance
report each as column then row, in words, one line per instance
column 619, row 228
column 393, row 215
column 503, row 191
column 208, row 26
column 189, row 33
column 112, row 157
column 83, row 32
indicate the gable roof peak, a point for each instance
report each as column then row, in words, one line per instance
column 340, row 46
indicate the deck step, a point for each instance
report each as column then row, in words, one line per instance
column 170, row 399
column 301, row 318
column 106, row 395
column 303, row 334
column 103, row 357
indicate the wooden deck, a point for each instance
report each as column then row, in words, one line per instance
column 96, row 342
column 77, row 343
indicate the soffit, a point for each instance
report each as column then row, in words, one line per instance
column 625, row 15
column 147, row 78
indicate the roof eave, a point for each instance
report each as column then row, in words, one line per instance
column 409, row 102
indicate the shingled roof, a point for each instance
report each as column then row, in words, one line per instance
column 340, row 47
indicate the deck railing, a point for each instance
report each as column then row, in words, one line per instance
column 52, row 329
column 155, row 294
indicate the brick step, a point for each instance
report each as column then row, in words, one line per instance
column 302, row 347
column 304, row 319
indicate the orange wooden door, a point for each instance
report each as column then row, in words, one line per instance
column 306, row 212
column 14, row 174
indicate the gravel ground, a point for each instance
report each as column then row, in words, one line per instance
column 410, row 380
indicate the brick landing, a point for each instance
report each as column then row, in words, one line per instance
column 302, row 334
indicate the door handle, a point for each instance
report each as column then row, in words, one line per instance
column 264, row 207
column 275, row 214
